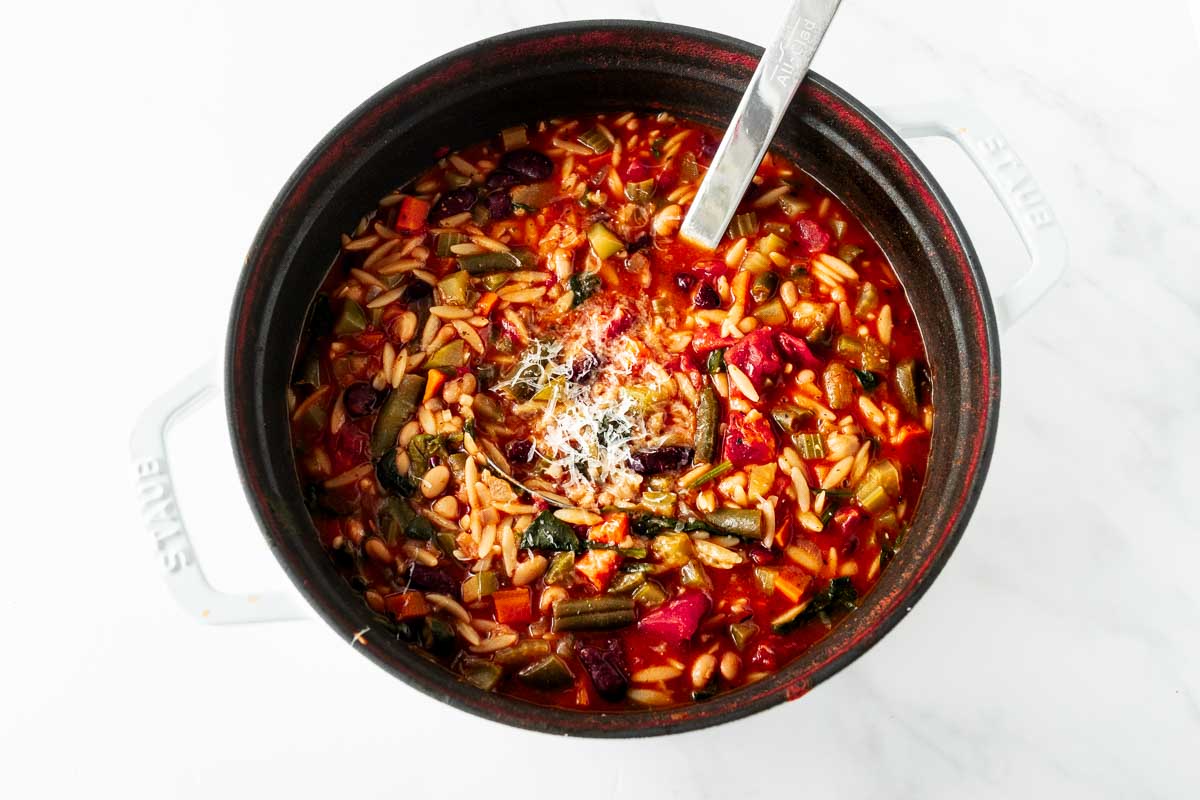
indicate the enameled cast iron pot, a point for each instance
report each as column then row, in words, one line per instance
column 470, row 94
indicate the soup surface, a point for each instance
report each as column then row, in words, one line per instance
column 576, row 460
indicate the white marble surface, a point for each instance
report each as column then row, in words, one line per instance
column 1057, row 655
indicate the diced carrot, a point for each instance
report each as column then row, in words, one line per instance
column 791, row 583
column 598, row 566
column 613, row 530
column 784, row 532
column 485, row 304
column 406, row 605
column 412, row 214
column 433, row 383
column 513, row 605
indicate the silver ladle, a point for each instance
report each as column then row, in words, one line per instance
column 774, row 83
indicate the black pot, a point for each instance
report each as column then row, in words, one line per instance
column 608, row 66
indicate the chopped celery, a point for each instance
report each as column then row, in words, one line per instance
column 741, row 633
column 905, row 381
column 561, row 569
column 549, row 673
column 596, row 140
column 780, row 229
column 593, row 613
column 640, row 191
column 693, row 575
column 793, row 206
column 743, row 225
column 848, row 346
column 791, row 419
column 454, row 287
column 352, row 319
column 868, row 300
column 672, row 549
column 755, row 261
column 839, row 228
column 689, row 168
column 764, row 577
column 849, row 252
column 627, row 582
column 481, row 673
column 444, row 241
column 450, row 356
column 772, row 313
column 479, row 585
column 514, row 137
column 604, row 242
column 456, row 180
column 659, row 502
column 649, row 594
column 810, row 445
column 763, row 287
column 494, row 281
column 771, row 243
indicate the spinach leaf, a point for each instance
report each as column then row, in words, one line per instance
column 548, row 532
column 839, row 595
column 583, row 285
column 869, row 380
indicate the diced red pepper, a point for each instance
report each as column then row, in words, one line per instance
column 749, row 440
column 412, row 215
column 810, row 234
column 755, row 355
column 513, row 605
column 708, row 338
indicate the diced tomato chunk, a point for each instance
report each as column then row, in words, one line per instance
column 756, row 355
column 749, row 439
column 810, row 234
column 598, row 566
column 708, row 338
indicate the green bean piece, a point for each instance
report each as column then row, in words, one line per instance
column 707, row 409
column 520, row 258
column 744, row 522
column 396, row 411
column 602, row 621
column 522, row 653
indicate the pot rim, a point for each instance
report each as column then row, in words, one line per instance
column 789, row 682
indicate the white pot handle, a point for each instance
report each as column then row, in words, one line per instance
column 163, row 517
column 1014, row 186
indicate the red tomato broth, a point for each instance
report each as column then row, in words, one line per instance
column 348, row 515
